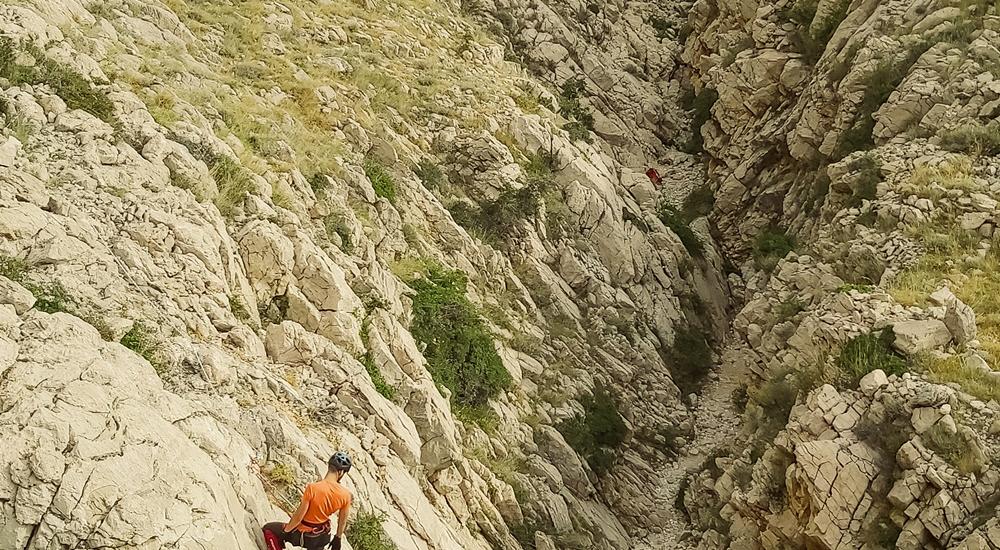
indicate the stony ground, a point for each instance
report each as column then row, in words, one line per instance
column 715, row 425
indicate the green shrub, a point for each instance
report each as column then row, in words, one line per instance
column 280, row 474
column 51, row 297
column 14, row 269
column 597, row 433
column 238, row 308
column 973, row 139
column 690, row 360
column 878, row 86
column 233, row 181
column 498, row 220
column 578, row 132
column 774, row 399
column 319, row 183
column 675, row 220
column 460, row 352
column 868, row 352
column 846, row 288
column 387, row 391
column 811, row 40
column 770, row 247
column 73, row 88
column 141, row 340
column 365, row 532
column 740, row 398
column 382, row 181
column 701, row 105
column 662, row 27
column 572, row 109
column 430, row 174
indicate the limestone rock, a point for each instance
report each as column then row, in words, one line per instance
column 913, row 337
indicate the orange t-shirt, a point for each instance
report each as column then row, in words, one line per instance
column 325, row 499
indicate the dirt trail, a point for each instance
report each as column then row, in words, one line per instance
column 716, row 422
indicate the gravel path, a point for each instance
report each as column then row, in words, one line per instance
column 716, row 422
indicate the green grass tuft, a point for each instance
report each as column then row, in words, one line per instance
column 869, row 352
column 234, row 183
column 382, row 181
column 73, row 88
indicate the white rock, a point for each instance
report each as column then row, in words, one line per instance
column 8, row 151
column 872, row 382
column 914, row 337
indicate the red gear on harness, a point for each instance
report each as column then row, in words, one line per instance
column 272, row 541
column 654, row 176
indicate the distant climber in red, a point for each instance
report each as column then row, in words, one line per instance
column 654, row 177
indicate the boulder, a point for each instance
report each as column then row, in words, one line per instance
column 961, row 321
column 8, row 151
column 872, row 382
column 913, row 337
column 15, row 295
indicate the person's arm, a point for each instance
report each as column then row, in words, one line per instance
column 299, row 514
column 341, row 525
column 342, row 519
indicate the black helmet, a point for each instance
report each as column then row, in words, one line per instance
column 340, row 462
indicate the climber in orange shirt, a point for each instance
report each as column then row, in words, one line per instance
column 310, row 524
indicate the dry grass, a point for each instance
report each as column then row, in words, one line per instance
column 953, row 369
column 407, row 59
column 954, row 173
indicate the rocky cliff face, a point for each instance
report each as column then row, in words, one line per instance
column 222, row 227
column 239, row 236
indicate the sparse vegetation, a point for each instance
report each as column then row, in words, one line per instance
column 789, row 308
column 239, row 308
column 811, row 37
column 365, row 532
column 675, row 221
column 234, row 183
column 955, row 370
column 498, row 221
column 770, row 247
column 868, row 352
column 382, row 181
column 878, row 85
column 690, row 360
column 973, row 139
column 701, row 106
column 849, row 287
column 955, row 448
column 338, row 231
column 141, row 340
column 279, row 474
column 430, row 174
column 597, row 433
column 73, row 88
column 933, row 181
column 581, row 120
column 460, row 352
column 869, row 175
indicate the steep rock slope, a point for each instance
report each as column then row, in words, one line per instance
column 259, row 200
column 853, row 147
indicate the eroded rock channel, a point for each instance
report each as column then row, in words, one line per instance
column 558, row 275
